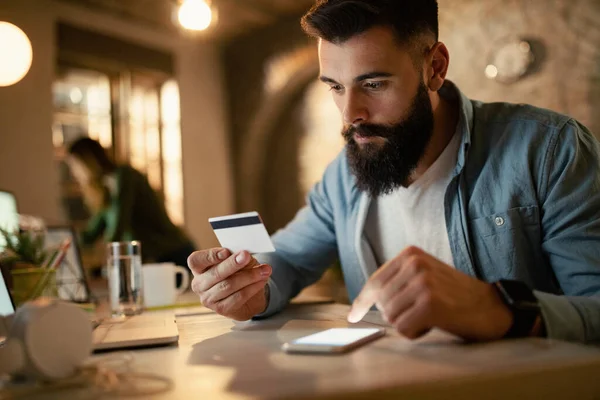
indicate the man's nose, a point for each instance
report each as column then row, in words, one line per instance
column 355, row 109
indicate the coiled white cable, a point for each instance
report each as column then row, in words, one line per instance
column 111, row 376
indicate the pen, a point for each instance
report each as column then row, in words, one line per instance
column 58, row 258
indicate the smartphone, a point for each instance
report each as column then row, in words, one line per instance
column 332, row 341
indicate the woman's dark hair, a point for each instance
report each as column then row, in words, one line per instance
column 336, row 21
column 89, row 150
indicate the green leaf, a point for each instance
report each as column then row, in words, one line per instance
column 23, row 246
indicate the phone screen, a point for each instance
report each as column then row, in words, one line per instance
column 336, row 336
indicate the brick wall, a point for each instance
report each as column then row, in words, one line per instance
column 567, row 30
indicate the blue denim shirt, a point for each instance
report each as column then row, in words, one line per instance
column 523, row 203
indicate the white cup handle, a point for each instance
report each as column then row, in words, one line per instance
column 185, row 281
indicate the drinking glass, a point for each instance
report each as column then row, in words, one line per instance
column 124, row 265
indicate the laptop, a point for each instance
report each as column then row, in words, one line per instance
column 150, row 329
column 142, row 330
column 9, row 220
column 7, row 306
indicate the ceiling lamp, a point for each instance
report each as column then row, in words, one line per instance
column 195, row 15
column 15, row 52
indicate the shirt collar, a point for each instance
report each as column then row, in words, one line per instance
column 464, row 127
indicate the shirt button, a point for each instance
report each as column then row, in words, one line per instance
column 499, row 221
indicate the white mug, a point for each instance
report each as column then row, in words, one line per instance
column 159, row 283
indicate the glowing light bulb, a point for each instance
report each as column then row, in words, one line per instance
column 491, row 71
column 15, row 52
column 195, row 15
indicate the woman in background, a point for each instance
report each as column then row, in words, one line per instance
column 124, row 206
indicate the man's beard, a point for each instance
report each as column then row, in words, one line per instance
column 380, row 169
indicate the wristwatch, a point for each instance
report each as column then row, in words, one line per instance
column 523, row 304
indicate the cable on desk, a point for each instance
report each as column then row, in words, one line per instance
column 5, row 323
column 110, row 376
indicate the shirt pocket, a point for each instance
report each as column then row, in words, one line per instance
column 506, row 242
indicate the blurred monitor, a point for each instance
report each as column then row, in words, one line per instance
column 9, row 217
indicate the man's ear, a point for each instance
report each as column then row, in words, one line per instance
column 437, row 61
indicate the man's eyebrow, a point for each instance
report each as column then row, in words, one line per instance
column 358, row 79
column 372, row 75
column 328, row 80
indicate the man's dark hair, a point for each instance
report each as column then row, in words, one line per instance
column 336, row 21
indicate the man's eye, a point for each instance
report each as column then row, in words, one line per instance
column 374, row 85
column 336, row 88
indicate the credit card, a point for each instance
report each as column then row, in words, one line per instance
column 244, row 231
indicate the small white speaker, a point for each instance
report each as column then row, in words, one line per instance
column 47, row 340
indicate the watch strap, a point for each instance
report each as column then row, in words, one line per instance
column 524, row 318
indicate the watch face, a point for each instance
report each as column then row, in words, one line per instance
column 519, row 294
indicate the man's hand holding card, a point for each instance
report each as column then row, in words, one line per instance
column 228, row 279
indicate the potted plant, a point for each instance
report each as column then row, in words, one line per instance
column 26, row 260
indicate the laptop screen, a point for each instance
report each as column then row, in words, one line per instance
column 9, row 218
column 6, row 304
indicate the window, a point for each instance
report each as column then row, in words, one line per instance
column 82, row 107
column 135, row 116
column 171, row 147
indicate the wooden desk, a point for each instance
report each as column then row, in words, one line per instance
column 219, row 359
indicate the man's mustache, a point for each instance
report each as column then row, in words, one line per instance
column 367, row 130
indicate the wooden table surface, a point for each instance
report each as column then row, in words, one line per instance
column 217, row 358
